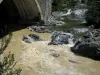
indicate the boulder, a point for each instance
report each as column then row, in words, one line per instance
column 76, row 31
column 80, row 30
column 89, row 45
column 91, row 50
column 40, row 29
column 35, row 37
column 79, row 13
column 26, row 39
column 60, row 37
column 30, row 38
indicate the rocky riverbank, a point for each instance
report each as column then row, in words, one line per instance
column 89, row 45
column 83, row 41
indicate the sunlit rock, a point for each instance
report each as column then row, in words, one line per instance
column 62, row 38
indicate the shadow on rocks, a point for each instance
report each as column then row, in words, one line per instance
column 86, row 51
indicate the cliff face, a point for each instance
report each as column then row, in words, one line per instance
column 25, row 9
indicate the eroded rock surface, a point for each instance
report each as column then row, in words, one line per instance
column 30, row 38
column 60, row 37
column 89, row 45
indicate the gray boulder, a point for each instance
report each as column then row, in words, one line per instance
column 60, row 37
column 35, row 37
column 30, row 38
column 89, row 45
column 79, row 11
column 80, row 30
column 40, row 29
column 26, row 39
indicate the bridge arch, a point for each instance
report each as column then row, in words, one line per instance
column 25, row 9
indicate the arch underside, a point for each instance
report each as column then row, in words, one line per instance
column 21, row 10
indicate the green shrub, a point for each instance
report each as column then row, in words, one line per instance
column 7, row 66
column 59, row 5
column 93, row 13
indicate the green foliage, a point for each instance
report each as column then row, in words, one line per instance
column 61, row 4
column 7, row 66
column 57, row 5
column 71, row 3
column 93, row 14
column 4, row 41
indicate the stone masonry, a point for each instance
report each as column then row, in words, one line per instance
column 46, row 8
column 30, row 9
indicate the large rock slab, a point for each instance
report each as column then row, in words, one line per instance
column 60, row 37
column 89, row 45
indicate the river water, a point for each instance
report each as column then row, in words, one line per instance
column 39, row 58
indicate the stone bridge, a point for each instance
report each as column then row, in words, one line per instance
column 19, row 10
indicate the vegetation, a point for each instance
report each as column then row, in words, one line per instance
column 93, row 14
column 7, row 66
column 61, row 4
column 93, row 6
column 4, row 41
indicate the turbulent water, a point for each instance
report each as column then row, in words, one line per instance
column 42, row 59
column 39, row 58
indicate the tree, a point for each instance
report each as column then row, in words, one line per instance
column 57, row 5
column 93, row 13
column 61, row 4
